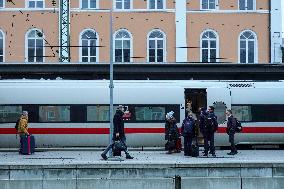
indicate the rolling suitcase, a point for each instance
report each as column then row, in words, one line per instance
column 27, row 145
column 195, row 149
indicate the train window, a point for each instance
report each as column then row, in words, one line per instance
column 150, row 113
column 10, row 113
column 268, row 113
column 98, row 113
column 220, row 111
column 242, row 113
column 54, row 113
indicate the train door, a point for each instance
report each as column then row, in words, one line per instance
column 220, row 98
column 195, row 99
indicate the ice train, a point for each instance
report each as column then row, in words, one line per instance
column 65, row 113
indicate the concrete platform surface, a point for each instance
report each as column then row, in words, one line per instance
column 142, row 159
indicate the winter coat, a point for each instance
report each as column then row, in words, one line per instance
column 193, row 133
column 23, row 125
column 118, row 124
column 231, row 125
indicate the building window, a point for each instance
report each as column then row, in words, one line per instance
column 156, row 46
column 248, row 47
column 2, row 3
column 1, row 46
column 156, row 4
column 35, row 4
column 208, row 4
column 123, row 4
column 88, row 46
column 122, row 46
column 209, row 46
column 246, row 4
column 34, row 42
column 89, row 4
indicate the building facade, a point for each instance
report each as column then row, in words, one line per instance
column 237, row 31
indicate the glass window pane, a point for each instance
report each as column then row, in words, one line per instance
column 151, row 44
column 31, row 54
column 39, row 43
column 160, row 44
column 152, row 59
column 250, row 4
column 10, row 113
column 152, row 52
column 39, row 4
column 150, row 113
column 152, row 4
column 118, row 4
column 212, row 4
column 242, row 44
column 31, row 4
column 93, row 4
column 160, row 52
column 39, row 54
column 85, row 59
column 160, row 4
column 85, row 51
column 126, row 55
column 243, row 56
column 242, row 113
column 118, row 44
column 204, row 4
column 31, row 43
column 85, row 4
column 204, row 43
column 1, row 3
column 54, row 113
column 251, row 51
column 1, row 58
column 126, row 4
column 212, row 55
column 242, row 4
column 204, row 55
column 126, row 44
column 212, row 44
column 1, row 46
column 118, row 55
column 93, row 51
column 93, row 59
column 97, row 113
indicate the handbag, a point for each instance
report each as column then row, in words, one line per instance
column 119, row 146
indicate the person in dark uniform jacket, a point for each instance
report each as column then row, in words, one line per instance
column 211, row 126
column 231, row 130
column 118, row 132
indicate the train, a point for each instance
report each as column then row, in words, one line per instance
column 75, row 113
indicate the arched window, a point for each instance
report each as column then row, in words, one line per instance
column 209, row 46
column 1, row 46
column 156, row 46
column 247, row 47
column 123, row 45
column 34, row 46
column 88, row 46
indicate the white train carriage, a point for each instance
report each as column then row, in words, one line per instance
column 66, row 113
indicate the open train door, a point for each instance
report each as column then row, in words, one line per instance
column 220, row 98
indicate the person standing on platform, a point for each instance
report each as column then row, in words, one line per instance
column 211, row 126
column 118, row 132
column 188, row 130
column 231, row 131
column 23, row 124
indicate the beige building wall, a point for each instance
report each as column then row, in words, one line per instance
column 17, row 20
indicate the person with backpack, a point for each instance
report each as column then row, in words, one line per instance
column 211, row 126
column 118, row 133
column 231, row 131
column 172, row 135
column 188, row 130
column 22, row 124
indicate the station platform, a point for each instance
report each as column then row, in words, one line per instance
column 249, row 169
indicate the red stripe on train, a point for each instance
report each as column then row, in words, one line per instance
column 130, row 130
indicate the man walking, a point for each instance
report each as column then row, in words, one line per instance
column 231, row 130
column 118, row 133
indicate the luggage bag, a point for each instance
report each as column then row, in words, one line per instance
column 27, row 145
column 195, row 149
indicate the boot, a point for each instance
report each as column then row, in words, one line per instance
column 104, row 156
column 128, row 156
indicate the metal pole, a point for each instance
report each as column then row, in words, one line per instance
column 111, row 86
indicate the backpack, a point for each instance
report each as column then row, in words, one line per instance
column 17, row 125
column 239, row 127
column 188, row 126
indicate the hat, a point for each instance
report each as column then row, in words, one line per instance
column 212, row 108
column 25, row 113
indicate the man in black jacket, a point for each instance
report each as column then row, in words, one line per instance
column 118, row 133
column 211, row 126
column 231, row 130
